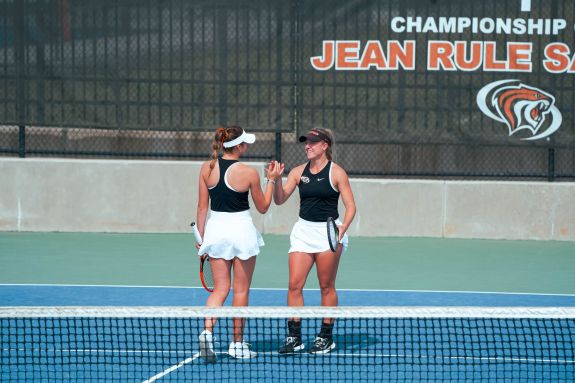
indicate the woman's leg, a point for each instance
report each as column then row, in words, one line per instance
column 243, row 272
column 300, row 265
column 221, row 270
column 327, row 264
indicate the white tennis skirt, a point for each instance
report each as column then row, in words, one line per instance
column 311, row 237
column 231, row 235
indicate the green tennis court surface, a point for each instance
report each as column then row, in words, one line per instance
column 428, row 264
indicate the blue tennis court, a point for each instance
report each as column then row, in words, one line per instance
column 520, row 331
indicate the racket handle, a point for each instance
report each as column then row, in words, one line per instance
column 196, row 233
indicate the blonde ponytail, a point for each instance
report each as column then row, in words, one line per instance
column 330, row 152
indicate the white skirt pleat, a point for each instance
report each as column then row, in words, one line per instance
column 231, row 235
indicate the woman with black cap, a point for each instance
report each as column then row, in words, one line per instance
column 321, row 183
column 230, row 238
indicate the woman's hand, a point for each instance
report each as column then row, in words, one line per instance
column 268, row 169
column 273, row 171
column 341, row 232
column 281, row 168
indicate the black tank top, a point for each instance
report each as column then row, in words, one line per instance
column 222, row 197
column 318, row 199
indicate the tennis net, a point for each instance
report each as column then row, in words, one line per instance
column 377, row 344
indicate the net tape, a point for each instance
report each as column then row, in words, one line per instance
column 285, row 312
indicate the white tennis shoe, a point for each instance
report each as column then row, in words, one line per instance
column 207, row 346
column 241, row 350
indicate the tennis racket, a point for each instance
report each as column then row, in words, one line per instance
column 206, row 275
column 332, row 234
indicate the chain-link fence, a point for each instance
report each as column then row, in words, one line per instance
column 153, row 79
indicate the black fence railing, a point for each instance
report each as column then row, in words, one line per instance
column 153, row 79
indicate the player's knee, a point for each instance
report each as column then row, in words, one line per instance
column 327, row 290
column 295, row 287
column 222, row 290
column 240, row 291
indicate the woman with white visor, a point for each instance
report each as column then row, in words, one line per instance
column 229, row 237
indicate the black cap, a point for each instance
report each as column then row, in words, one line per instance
column 315, row 135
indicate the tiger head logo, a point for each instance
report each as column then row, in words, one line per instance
column 520, row 107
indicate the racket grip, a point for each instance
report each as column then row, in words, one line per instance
column 196, row 233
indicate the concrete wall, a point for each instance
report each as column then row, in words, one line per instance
column 160, row 196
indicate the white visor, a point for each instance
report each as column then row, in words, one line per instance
column 248, row 138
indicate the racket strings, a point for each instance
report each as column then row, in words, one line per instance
column 332, row 234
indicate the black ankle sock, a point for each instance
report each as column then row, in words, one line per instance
column 326, row 330
column 294, row 328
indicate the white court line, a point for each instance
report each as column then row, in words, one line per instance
column 172, row 369
column 285, row 289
